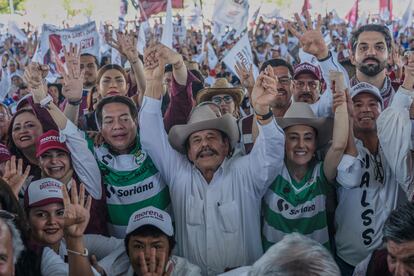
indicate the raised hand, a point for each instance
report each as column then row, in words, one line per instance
column 31, row 46
column 73, row 77
column 246, row 75
column 125, row 44
column 34, row 76
column 409, row 72
column 167, row 56
column 264, row 91
column 156, row 265
column 77, row 214
column 14, row 174
column 311, row 39
column 154, row 64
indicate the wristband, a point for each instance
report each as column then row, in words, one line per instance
column 265, row 116
column 84, row 254
column 44, row 103
column 75, row 102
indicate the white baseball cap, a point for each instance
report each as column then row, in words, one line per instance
column 364, row 87
column 151, row 216
column 43, row 192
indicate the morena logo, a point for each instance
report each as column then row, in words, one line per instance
column 50, row 184
column 150, row 213
column 49, row 139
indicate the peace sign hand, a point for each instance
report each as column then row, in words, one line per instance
column 73, row 76
column 311, row 39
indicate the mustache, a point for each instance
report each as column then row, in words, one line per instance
column 306, row 94
column 281, row 90
column 206, row 149
column 371, row 58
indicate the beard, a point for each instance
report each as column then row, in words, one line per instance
column 371, row 70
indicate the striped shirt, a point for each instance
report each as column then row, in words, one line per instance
column 290, row 206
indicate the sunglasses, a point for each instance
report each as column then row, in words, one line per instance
column 217, row 99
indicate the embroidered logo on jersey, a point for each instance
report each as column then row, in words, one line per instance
column 121, row 192
column 140, row 157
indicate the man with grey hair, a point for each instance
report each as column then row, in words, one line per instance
column 10, row 245
column 294, row 255
column 397, row 255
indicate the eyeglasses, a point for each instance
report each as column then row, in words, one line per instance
column 217, row 99
column 284, row 80
column 7, row 215
column 311, row 84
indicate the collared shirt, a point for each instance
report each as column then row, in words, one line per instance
column 217, row 223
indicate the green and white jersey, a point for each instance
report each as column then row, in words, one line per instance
column 290, row 206
column 131, row 182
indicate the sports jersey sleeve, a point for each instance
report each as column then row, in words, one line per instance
column 394, row 134
column 349, row 171
column 154, row 140
column 83, row 160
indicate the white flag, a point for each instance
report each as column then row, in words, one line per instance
column 141, row 38
column 407, row 18
column 115, row 55
column 167, row 30
column 212, row 58
column 231, row 13
column 16, row 31
column 242, row 53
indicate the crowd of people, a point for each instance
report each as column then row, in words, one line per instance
column 170, row 166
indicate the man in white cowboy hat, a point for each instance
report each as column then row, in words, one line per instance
column 376, row 173
column 225, row 95
column 216, row 199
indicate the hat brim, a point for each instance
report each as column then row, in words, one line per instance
column 323, row 127
column 179, row 134
column 39, row 153
column 44, row 202
column 206, row 94
column 306, row 72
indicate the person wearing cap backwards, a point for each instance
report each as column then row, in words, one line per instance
column 149, row 243
column 376, row 173
column 216, row 198
column 130, row 178
column 57, row 224
column 225, row 95
column 297, row 199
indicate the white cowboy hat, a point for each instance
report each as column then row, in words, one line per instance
column 301, row 114
column 202, row 118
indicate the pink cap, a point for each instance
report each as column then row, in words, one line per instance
column 307, row 68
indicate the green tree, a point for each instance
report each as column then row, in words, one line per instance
column 5, row 8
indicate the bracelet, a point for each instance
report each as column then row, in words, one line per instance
column 44, row 103
column 265, row 116
column 84, row 254
column 75, row 102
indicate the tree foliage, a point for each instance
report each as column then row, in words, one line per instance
column 5, row 8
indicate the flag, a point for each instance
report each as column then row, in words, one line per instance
column 352, row 15
column 407, row 19
column 212, row 58
column 254, row 16
column 167, row 30
column 16, row 31
column 385, row 9
column 242, row 53
column 141, row 37
column 230, row 13
column 306, row 6
column 115, row 55
column 150, row 7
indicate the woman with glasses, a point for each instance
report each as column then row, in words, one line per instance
column 222, row 93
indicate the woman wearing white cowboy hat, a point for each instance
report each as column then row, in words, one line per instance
column 296, row 200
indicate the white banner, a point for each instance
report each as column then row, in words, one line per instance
column 16, row 31
column 231, row 13
column 141, row 43
column 115, row 55
column 180, row 32
column 242, row 53
column 53, row 39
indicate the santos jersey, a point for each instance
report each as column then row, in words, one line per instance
column 131, row 182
